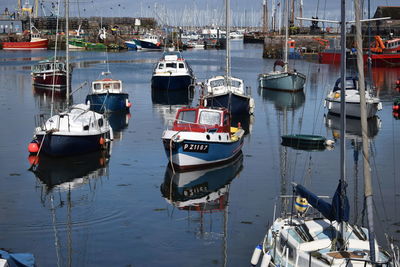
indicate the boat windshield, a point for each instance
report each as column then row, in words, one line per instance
column 171, row 65
column 217, row 83
column 210, row 117
column 235, row 83
column 187, row 116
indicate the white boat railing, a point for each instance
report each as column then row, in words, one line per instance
column 191, row 125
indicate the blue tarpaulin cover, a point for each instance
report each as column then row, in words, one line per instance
column 18, row 259
column 333, row 211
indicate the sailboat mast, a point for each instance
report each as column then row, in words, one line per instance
column 364, row 127
column 67, row 47
column 286, row 35
column 342, row 106
column 227, row 27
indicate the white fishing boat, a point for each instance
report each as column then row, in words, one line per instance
column 332, row 101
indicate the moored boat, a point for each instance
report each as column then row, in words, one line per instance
column 332, row 101
column 148, row 42
column 304, row 141
column 172, row 73
column 75, row 131
column 201, row 137
column 282, row 80
column 107, row 96
column 50, row 73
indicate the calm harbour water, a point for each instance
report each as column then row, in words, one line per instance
column 92, row 211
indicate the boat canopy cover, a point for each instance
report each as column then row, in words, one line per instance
column 18, row 259
column 332, row 212
column 279, row 62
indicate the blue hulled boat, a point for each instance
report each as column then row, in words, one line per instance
column 73, row 132
column 107, row 96
column 202, row 137
column 172, row 73
column 131, row 45
column 148, row 42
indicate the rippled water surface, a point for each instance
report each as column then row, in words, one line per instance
column 130, row 210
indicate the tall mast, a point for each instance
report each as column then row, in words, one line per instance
column 364, row 128
column 286, row 34
column 228, row 56
column 342, row 107
column 67, row 47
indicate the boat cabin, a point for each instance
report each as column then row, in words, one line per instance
column 202, row 119
column 351, row 84
column 107, row 85
column 49, row 66
column 218, row 84
column 172, row 62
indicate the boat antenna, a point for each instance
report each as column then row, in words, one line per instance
column 67, row 48
column 342, row 115
column 364, row 126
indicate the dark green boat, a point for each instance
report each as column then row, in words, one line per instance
column 304, row 141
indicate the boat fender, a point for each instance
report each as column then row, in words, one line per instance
column 266, row 260
column 256, row 255
column 329, row 142
column 128, row 103
column 102, row 141
column 301, row 204
column 33, row 160
column 33, row 147
column 88, row 102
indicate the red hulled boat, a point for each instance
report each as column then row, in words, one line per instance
column 49, row 73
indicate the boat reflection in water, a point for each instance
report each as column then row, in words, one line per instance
column 172, row 97
column 353, row 127
column 69, row 172
column 203, row 191
column 119, row 121
column 283, row 100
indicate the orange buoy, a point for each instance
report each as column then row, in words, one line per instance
column 239, row 125
column 102, row 141
column 398, row 82
column 33, row 147
column 33, row 160
column 129, row 104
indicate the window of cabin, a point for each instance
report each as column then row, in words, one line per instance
column 226, row 119
column 217, row 83
column 97, row 86
column 107, row 86
column 161, row 66
column 116, row 86
column 187, row 116
column 171, row 65
column 235, row 83
column 210, row 118
column 181, row 66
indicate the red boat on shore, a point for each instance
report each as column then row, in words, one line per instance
column 36, row 43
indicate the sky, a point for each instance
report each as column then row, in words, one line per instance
column 197, row 12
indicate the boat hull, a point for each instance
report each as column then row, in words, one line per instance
column 237, row 104
column 352, row 108
column 285, row 81
column 69, row 145
column 107, row 102
column 131, row 45
column 171, row 83
column 217, row 153
column 35, row 45
column 378, row 60
column 164, row 97
column 144, row 45
column 47, row 81
column 304, row 142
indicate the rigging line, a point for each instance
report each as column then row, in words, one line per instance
column 394, row 165
column 54, row 63
column 379, row 185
